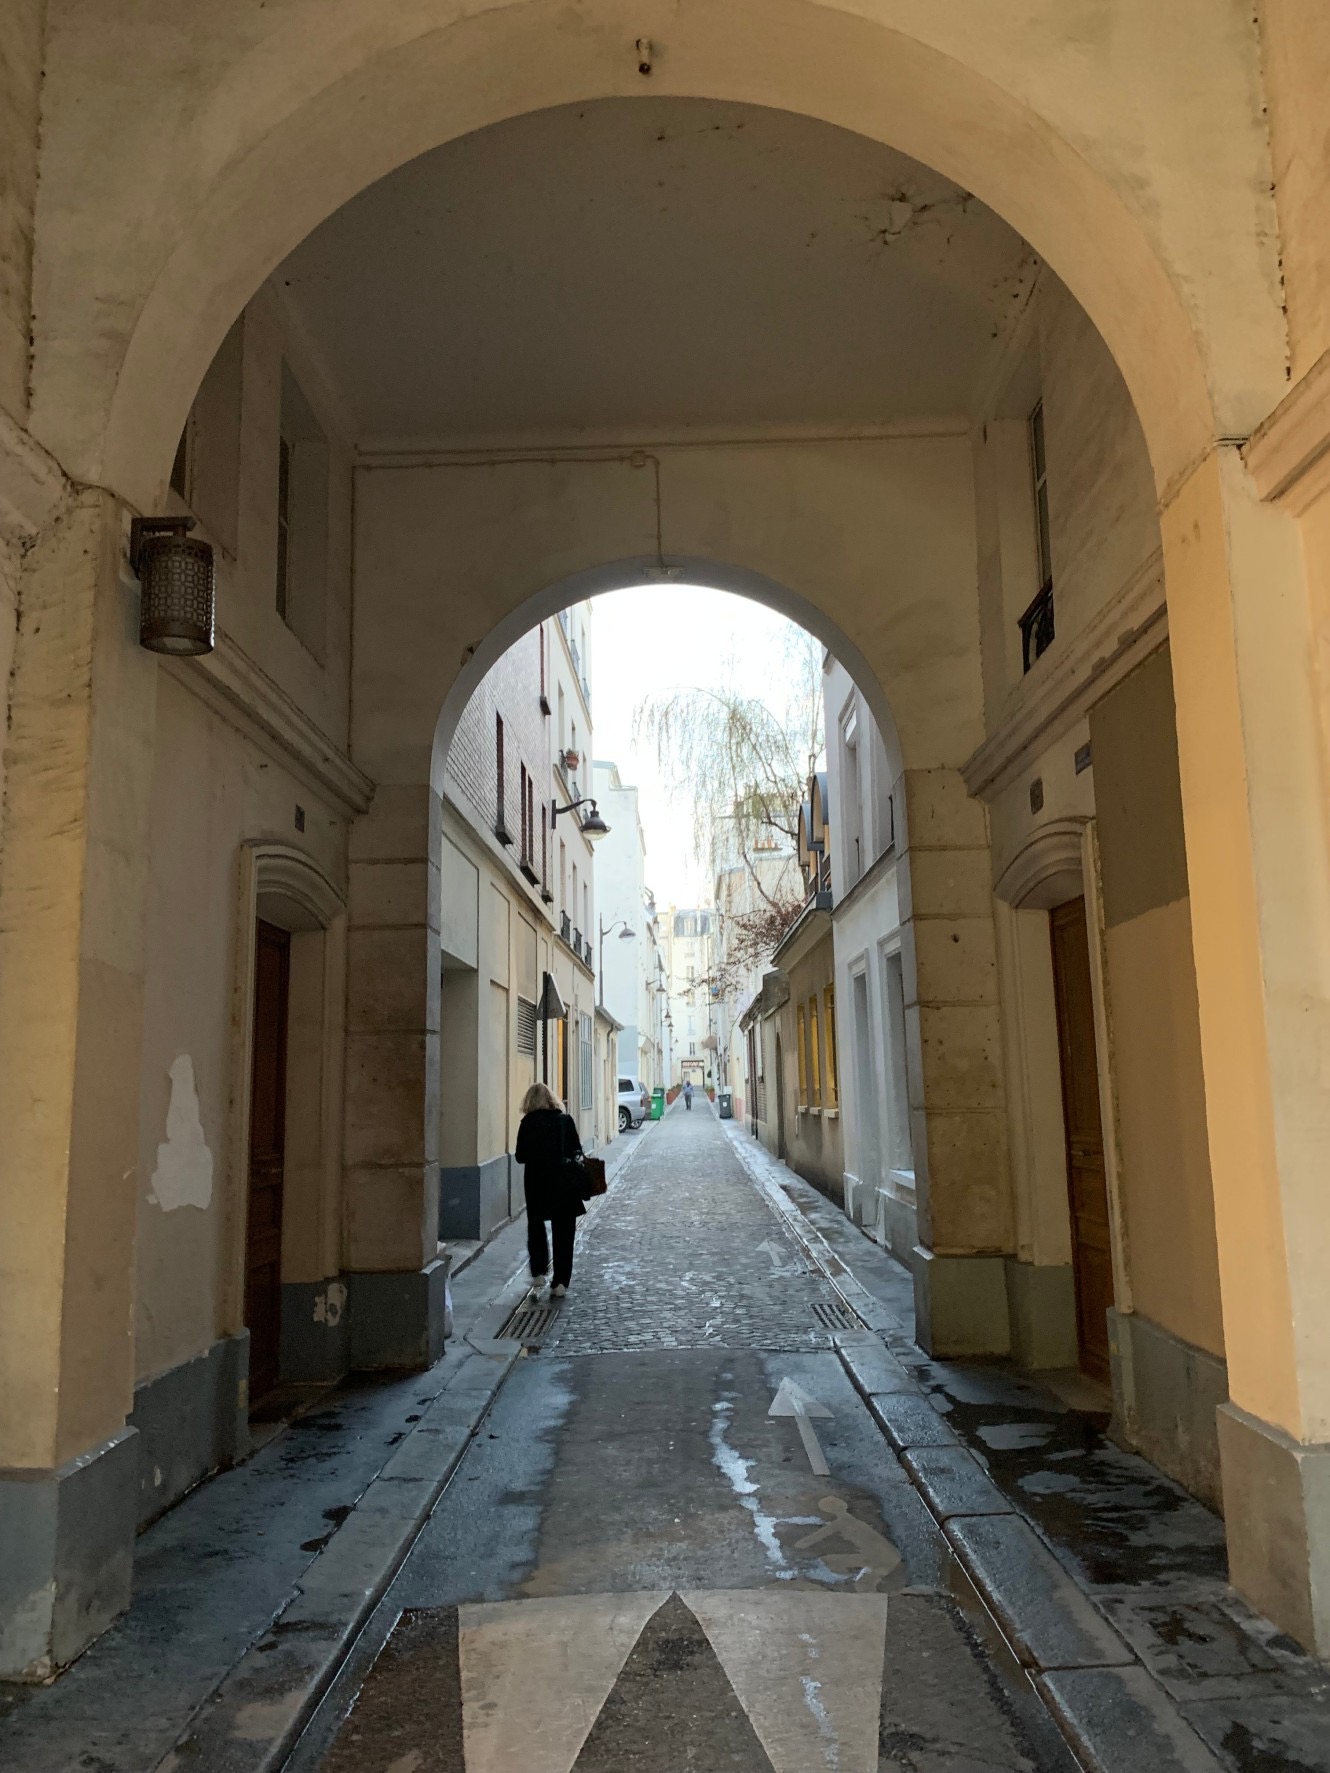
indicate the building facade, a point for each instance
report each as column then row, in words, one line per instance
column 863, row 785
column 628, row 941
column 691, row 996
column 1066, row 521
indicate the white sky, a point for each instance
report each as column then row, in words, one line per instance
column 654, row 639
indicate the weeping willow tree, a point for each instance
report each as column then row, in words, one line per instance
column 743, row 763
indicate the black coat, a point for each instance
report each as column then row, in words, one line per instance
column 546, row 1140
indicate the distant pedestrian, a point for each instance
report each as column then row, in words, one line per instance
column 548, row 1147
column 688, row 1095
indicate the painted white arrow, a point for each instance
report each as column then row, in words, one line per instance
column 777, row 1255
column 793, row 1400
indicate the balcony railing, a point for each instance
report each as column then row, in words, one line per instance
column 1037, row 627
column 565, row 926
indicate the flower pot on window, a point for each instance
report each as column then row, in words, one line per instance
column 571, row 759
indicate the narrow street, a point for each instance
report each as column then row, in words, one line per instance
column 637, row 1565
column 715, row 1511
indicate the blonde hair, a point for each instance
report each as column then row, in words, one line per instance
column 540, row 1096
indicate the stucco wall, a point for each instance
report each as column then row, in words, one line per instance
column 1164, row 1159
column 212, row 791
column 1296, row 43
column 21, row 44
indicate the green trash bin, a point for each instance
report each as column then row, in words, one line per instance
column 657, row 1103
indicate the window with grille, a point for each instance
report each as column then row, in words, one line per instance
column 802, row 1045
column 526, row 1026
column 814, row 1056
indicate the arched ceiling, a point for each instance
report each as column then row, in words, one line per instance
column 640, row 263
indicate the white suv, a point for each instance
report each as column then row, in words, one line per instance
column 634, row 1103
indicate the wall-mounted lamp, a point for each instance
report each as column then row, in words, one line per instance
column 592, row 826
column 178, row 581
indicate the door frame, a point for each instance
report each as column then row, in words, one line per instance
column 1060, row 861
column 284, row 887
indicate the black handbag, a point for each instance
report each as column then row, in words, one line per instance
column 573, row 1170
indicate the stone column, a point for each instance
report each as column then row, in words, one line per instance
column 954, row 1049
column 73, row 879
column 391, row 1143
column 1248, row 667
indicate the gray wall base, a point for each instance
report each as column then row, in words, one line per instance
column 960, row 1304
column 1042, row 1302
column 316, row 1331
column 1277, row 1514
column 1165, row 1395
column 475, row 1199
column 66, row 1556
column 397, row 1319
column 191, row 1420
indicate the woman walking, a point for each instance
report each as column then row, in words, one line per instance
column 547, row 1143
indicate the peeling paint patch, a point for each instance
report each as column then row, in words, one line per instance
column 183, row 1177
column 329, row 1305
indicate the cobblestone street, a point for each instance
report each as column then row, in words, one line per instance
column 685, row 1253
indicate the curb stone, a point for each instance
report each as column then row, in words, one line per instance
column 1108, row 1706
column 253, row 1717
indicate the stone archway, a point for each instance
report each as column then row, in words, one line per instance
column 993, row 107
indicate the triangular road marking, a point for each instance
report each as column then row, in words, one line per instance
column 536, row 1673
column 807, row 1668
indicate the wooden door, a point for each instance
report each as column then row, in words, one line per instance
column 267, row 1142
column 1091, row 1250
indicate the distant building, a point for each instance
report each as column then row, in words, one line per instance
column 689, row 957
column 629, row 953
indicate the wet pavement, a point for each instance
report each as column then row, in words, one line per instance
column 638, row 1567
column 607, row 1552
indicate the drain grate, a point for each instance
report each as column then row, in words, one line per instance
column 835, row 1314
column 531, row 1322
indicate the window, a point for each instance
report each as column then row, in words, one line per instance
column 561, row 1056
column 829, row 1017
column 899, row 1150
column 802, row 1044
column 585, row 1061
column 181, row 465
column 544, row 846
column 522, row 805
column 852, row 811
column 1037, row 622
column 303, row 464
column 283, row 526
column 500, row 794
column 814, row 1055
column 526, row 1026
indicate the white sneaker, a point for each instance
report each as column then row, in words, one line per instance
column 558, row 1292
column 537, row 1288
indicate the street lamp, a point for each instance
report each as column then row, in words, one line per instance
column 592, row 827
column 626, row 934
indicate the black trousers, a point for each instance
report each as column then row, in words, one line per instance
column 565, row 1224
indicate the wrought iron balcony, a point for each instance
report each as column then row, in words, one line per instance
column 565, row 926
column 1037, row 627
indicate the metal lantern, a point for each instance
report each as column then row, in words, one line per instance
column 178, row 581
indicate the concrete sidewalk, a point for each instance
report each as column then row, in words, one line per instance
column 1064, row 1533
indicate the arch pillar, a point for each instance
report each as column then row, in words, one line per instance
column 395, row 1278
column 73, row 879
column 1247, row 664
